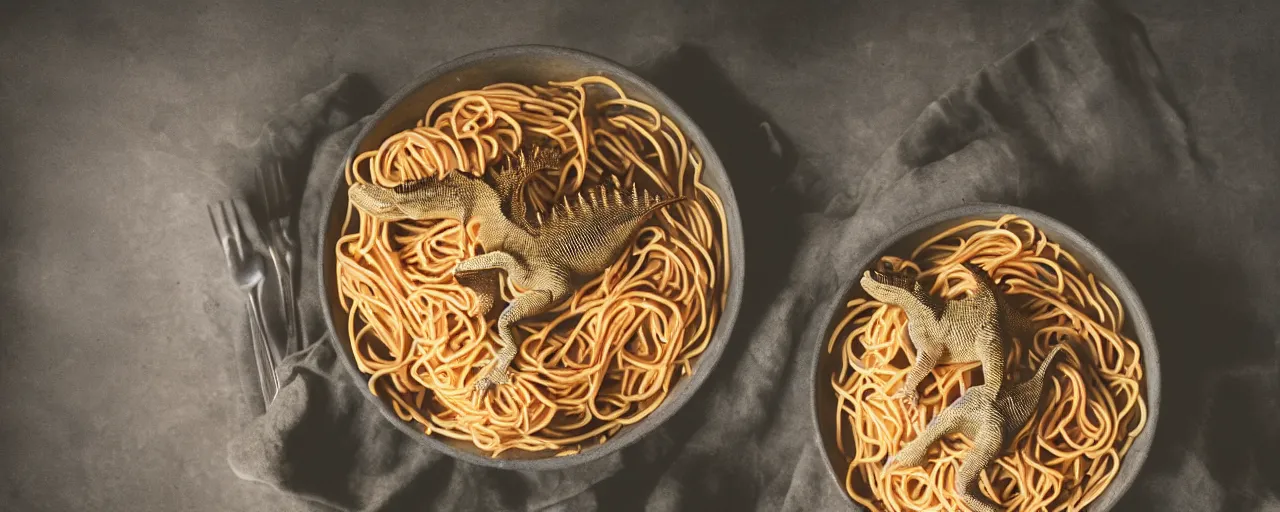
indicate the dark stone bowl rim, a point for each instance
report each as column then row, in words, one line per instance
column 682, row 391
column 1069, row 238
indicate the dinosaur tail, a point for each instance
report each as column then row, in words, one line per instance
column 1023, row 398
column 986, row 285
column 1038, row 378
column 663, row 203
column 611, row 207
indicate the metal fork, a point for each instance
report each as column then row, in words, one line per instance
column 247, row 270
column 282, row 247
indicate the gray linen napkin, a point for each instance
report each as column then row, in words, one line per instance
column 1077, row 123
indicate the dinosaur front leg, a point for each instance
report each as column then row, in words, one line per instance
column 991, row 351
column 481, row 275
column 927, row 357
column 526, row 305
column 497, row 260
column 484, row 284
column 483, row 270
column 986, row 446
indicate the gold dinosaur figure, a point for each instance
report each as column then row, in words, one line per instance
column 979, row 327
column 989, row 416
column 550, row 259
column 974, row 328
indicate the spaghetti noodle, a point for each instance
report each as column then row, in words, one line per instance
column 1093, row 404
column 603, row 359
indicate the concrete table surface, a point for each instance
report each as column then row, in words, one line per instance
column 118, row 121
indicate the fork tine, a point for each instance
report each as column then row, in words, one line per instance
column 217, row 232
column 233, row 219
column 220, row 233
column 282, row 186
column 244, row 217
column 273, row 190
column 268, row 197
column 228, row 238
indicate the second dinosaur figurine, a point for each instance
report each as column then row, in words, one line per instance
column 550, row 259
column 990, row 416
column 974, row 328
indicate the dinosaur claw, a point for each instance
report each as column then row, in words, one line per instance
column 909, row 395
column 492, row 380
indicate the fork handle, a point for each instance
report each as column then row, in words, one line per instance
column 264, row 375
column 255, row 316
column 284, row 277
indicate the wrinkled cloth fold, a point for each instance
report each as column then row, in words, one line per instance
column 1077, row 123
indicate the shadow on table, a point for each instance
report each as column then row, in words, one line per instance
column 769, row 214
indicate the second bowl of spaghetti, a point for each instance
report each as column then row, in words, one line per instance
column 1084, row 443
column 615, row 355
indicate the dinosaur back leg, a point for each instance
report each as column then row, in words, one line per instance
column 991, row 351
column 526, row 305
column 913, row 453
column 481, row 275
column 986, row 446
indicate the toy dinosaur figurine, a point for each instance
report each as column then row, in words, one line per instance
column 973, row 328
column 990, row 417
column 550, row 259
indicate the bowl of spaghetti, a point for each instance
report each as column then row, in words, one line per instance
column 595, row 372
column 1087, row 440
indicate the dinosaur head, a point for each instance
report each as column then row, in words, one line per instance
column 424, row 199
column 374, row 200
column 892, row 287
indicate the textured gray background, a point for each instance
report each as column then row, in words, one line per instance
column 118, row 122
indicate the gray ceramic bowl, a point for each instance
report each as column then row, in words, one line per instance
column 900, row 243
column 526, row 64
